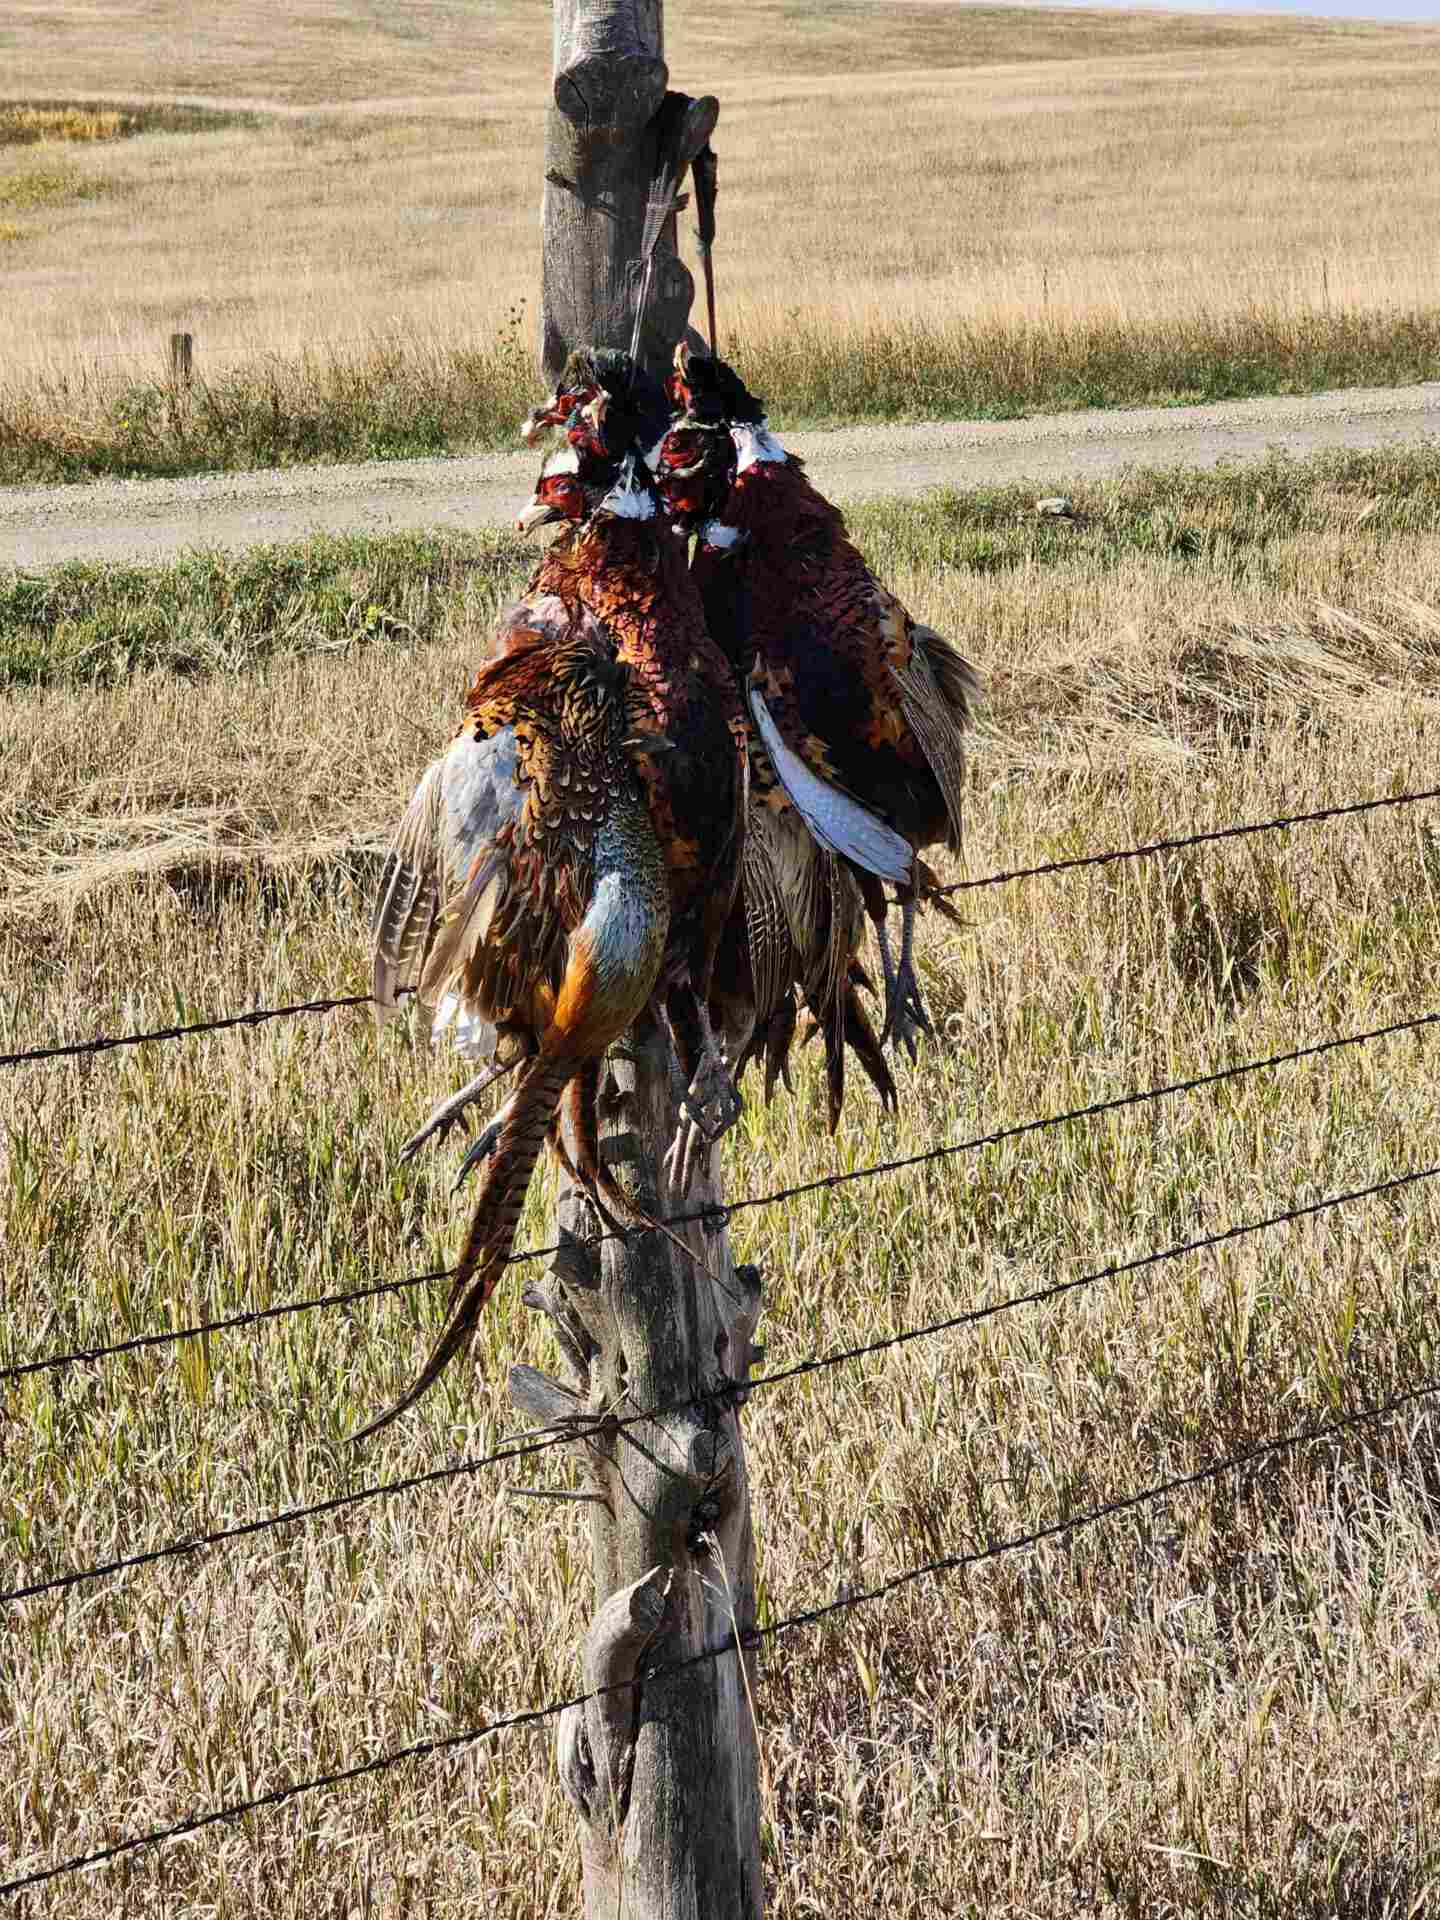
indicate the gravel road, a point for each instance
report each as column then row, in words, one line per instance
column 151, row 519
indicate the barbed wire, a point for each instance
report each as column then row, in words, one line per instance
column 827, row 1181
column 1205, row 838
column 750, row 1640
column 106, row 1044
column 258, row 1316
column 608, row 1426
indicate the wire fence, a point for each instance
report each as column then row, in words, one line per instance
column 750, row 1640
column 1207, row 837
column 610, row 1427
column 257, row 1016
column 824, row 1183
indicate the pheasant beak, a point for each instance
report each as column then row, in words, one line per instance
column 539, row 513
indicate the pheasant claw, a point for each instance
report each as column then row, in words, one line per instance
column 449, row 1111
column 906, row 1021
column 710, row 1107
column 480, row 1149
column 684, row 1154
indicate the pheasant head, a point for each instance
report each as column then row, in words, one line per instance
column 633, row 404
column 578, row 486
column 711, row 393
column 694, row 471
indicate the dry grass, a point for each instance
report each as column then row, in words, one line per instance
column 1223, row 1705
column 925, row 209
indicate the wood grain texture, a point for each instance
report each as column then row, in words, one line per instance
column 664, row 1773
column 605, row 137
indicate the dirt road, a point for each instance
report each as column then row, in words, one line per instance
column 150, row 519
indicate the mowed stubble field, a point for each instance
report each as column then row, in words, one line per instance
column 927, row 211
column 1225, row 1703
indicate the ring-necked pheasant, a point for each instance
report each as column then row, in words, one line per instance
column 799, row 920
column 525, row 897
column 624, row 565
column 862, row 711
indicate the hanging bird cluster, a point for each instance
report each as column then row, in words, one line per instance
column 682, row 783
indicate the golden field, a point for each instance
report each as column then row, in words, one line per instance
column 1223, row 1704
column 924, row 207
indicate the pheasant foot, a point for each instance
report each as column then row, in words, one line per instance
column 906, row 1021
column 449, row 1111
column 710, row 1107
column 482, row 1146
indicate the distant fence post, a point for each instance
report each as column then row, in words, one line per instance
column 182, row 358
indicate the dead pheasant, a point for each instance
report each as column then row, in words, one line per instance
column 799, row 919
column 526, row 896
column 861, row 710
column 625, row 567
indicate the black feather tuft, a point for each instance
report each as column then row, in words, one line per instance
column 715, row 394
column 637, row 413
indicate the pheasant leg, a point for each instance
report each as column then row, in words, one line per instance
column 906, row 1020
column 711, row 1103
column 449, row 1111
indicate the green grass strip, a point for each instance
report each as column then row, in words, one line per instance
column 93, row 624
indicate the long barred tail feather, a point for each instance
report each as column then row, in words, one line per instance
column 408, row 904
column 936, row 726
column 583, row 1165
column 492, row 1227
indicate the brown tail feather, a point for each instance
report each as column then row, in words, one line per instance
column 936, row 688
column 829, row 1017
column 779, row 1038
column 582, row 1108
column 492, row 1227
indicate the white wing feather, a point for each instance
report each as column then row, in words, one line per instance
column 840, row 824
column 444, row 877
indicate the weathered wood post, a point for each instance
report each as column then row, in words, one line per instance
column 663, row 1771
column 611, row 117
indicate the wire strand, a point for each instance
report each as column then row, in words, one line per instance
column 258, row 1316
column 755, row 1637
column 107, row 1044
column 1206, row 838
column 608, row 1426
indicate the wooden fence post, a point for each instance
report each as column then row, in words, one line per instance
column 664, row 1773
column 612, row 115
column 182, row 352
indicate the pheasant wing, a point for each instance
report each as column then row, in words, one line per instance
column 446, row 873
column 841, row 825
